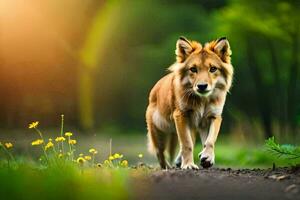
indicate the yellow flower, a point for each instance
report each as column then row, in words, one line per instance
column 99, row 165
column 72, row 142
column 68, row 134
column 111, row 158
column 80, row 155
column 106, row 162
column 80, row 160
column 140, row 155
column 50, row 139
column 117, row 156
column 124, row 163
column 49, row 145
column 37, row 142
column 87, row 157
column 92, row 150
column 33, row 124
column 60, row 155
column 60, row 139
column 8, row 145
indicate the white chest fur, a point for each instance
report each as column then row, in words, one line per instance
column 200, row 117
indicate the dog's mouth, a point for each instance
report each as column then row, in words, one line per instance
column 202, row 93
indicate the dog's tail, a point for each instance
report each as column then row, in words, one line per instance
column 151, row 145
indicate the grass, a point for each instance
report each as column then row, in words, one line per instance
column 67, row 182
column 60, row 171
column 71, row 166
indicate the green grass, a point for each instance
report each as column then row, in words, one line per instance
column 29, row 178
column 60, row 172
column 247, row 156
column 228, row 154
column 65, row 182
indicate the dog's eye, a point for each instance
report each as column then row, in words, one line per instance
column 213, row 69
column 193, row 69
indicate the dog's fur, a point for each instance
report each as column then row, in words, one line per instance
column 177, row 111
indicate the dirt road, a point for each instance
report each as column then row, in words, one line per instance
column 216, row 183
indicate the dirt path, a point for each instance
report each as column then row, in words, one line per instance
column 221, row 184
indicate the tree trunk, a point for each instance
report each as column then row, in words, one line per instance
column 292, row 86
column 261, row 91
column 278, row 87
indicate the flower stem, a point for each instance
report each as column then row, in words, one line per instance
column 61, row 132
column 43, row 146
column 93, row 159
column 110, row 146
column 40, row 133
column 9, row 154
column 45, row 153
column 70, row 148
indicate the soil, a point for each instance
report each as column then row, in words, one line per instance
column 220, row 183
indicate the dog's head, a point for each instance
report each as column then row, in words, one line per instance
column 204, row 69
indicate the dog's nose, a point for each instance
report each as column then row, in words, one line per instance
column 202, row 87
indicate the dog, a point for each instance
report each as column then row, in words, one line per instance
column 189, row 100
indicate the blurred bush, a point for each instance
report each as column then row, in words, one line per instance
column 96, row 61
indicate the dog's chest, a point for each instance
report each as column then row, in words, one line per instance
column 201, row 116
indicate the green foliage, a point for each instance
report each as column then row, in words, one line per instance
column 29, row 182
column 231, row 155
column 286, row 151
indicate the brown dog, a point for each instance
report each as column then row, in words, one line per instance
column 190, row 100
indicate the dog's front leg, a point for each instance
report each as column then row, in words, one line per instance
column 185, row 140
column 207, row 155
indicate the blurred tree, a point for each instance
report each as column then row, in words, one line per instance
column 269, row 31
column 124, row 48
column 94, row 46
column 139, row 50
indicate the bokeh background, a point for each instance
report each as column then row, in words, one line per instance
column 95, row 61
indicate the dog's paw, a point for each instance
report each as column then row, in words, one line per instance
column 207, row 157
column 178, row 162
column 189, row 166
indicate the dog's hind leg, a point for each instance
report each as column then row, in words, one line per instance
column 158, row 141
column 172, row 144
column 157, row 144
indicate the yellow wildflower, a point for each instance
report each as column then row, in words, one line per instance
column 92, row 150
column 72, row 142
column 37, row 142
column 60, row 155
column 8, row 145
column 106, row 162
column 80, row 160
column 49, row 145
column 140, row 155
column 99, row 165
column 60, row 139
column 68, row 134
column 80, row 155
column 33, row 124
column 117, row 156
column 124, row 163
column 87, row 157
column 50, row 139
column 111, row 157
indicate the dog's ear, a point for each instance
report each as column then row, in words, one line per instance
column 184, row 48
column 222, row 48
